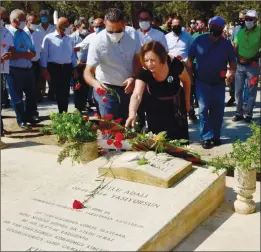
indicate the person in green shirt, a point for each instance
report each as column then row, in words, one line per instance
column 247, row 44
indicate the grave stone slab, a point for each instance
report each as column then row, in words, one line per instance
column 161, row 169
column 37, row 214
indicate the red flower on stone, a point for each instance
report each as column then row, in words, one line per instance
column 253, row 81
column 117, row 144
column 119, row 136
column 4, row 45
column 22, row 46
column 96, row 115
column 119, row 120
column 101, row 91
column 85, row 118
column 77, row 204
column 104, row 99
column 179, row 57
column 223, row 74
column 109, row 141
column 108, row 117
column 77, row 86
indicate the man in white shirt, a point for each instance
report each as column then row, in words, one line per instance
column 37, row 39
column 146, row 32
column 178, row 41
column 45, row 26
column 113, row 60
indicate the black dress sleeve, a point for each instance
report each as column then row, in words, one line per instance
column 177, row 67
column 143, row 75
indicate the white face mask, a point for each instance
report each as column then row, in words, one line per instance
column 21, row 25
column 1, row 23
column 115, row 37
column 33, row 27
column 67, row 31
column 84, row 32
column 144, row 25
column 249, row 24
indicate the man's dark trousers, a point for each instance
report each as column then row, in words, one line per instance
column 61, row 77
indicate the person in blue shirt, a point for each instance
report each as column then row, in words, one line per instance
column 58, row 62
column 21, row 77
column 213, row 53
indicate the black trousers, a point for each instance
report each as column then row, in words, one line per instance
column 81, row 95
column 60, row 78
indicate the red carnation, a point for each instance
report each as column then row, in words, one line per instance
column 109, row 141
column 104, row 99
column 103, row 132
column 77, row 86
column 4, row 45
column 77, row 204
column 253, row 81
column 117, row 144
column 223, row 74
column 108, row 117
column 179, row 57
column 119, row 120
column 119, row 136
column 255, row 64
column 85, row 118
column 101, row 91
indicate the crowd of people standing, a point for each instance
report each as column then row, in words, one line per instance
column 160, row 73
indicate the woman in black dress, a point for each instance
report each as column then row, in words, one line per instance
column 167, row 101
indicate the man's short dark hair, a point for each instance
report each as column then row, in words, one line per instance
column 203, row 20
column 114, row 15
column 178, row 18
column 146, row 10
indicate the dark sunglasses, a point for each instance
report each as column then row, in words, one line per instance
column 249, row 19
column 192, row 22
column 111, row 32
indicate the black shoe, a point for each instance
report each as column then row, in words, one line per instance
column 193, row 118
column 24, row 126
column 216, row 141
column 248, row 119
column 237, row 118
column 231, row 102
column 34, row 120
column 207, row 144
column 196, row 105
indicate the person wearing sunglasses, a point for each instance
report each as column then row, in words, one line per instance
column 113, row 63
column 247, row 45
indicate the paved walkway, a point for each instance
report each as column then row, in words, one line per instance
column 231, row 131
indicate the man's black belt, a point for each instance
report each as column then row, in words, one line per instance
column 57, row 64
column 21, row 68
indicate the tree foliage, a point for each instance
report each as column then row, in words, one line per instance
column 186, row 9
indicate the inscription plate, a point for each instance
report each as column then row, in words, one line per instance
column 124, row 216
column 161, row 170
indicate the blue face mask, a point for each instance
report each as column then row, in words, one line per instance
column 98, row 29
column 44, row 19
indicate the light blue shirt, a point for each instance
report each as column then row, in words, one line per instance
column 235, row 32
column 22, row 43
column 82, row 54
column 179, row 45
column 58, row 50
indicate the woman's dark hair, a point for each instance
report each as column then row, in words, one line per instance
column 157, row 48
